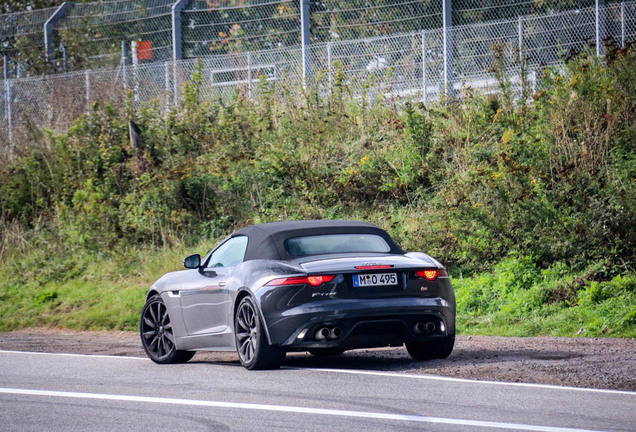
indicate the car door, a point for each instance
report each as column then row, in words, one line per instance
column 205, row 305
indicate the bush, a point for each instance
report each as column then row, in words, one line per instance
column 525, row 194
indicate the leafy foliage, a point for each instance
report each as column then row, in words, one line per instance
column 535, row 198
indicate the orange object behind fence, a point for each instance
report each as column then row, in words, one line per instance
column 144, row 50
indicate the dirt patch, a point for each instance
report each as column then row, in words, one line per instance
column 579, row 362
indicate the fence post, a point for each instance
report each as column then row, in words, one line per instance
column 600, row 26
column 87, row 81
column 520, row 33
column 135, row 63
column 304, row 24
column 64, row 56
column 124, row 60
column 622, row 24
column 329, row 61
column 166, row 77
column 7, row 96
column 424, row 83
column 249, row 75
column 175, row 85
column 448, row 46
column 177, row 43
column 59, row 14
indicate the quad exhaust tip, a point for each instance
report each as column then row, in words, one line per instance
column 328, row 333
column 335, row 333
column 421, row 327
column 322, row 333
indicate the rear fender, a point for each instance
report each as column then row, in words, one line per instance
column 254, row 275
column 241, row 294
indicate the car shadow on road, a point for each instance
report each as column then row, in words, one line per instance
column 465, row 361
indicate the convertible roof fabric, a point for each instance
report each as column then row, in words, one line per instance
column 266, row 241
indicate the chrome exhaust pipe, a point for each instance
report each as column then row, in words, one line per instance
column 322, row 334
column 335, row 333
column 419, row 328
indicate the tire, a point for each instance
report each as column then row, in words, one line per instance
column 251, row 341
column 156, row 334
column 438, row 349
column 326, row 352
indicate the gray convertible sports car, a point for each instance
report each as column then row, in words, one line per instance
column 319, row 286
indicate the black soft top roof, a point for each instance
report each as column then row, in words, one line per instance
column 266, row 241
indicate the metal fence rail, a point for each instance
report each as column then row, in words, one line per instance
column 83, row 35
column 408, row 64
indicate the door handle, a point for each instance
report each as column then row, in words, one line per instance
column 221, row 284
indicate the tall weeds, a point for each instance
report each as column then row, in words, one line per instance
column 549, row 174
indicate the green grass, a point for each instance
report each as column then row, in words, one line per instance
column 518, row 299
column 103, row 292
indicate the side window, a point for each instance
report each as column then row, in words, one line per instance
column 230, row 253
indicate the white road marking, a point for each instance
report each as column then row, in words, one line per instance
column 73, row 355
column 290, row 409
column 463, row 380
column 372, row 373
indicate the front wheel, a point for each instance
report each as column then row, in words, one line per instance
column 437, row 349
column 156, row 334
column 251, row 342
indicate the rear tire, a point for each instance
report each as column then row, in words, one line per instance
column 437, row 349
column 156, row 334
column 251, row 341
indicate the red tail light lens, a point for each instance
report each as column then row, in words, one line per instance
column 319, row 280
column 431, row 274
column 301, row 280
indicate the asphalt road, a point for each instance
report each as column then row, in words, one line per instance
column 58, row 392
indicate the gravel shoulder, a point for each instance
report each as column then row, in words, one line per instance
column 579, row 362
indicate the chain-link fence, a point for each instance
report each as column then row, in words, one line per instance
column 414, row 64
column 22, row 41
column 90, row 34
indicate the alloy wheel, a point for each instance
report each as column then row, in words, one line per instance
column 156, row 330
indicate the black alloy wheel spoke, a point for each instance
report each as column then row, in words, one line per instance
column 164, row 343
column 245, row 349
column 251, row 349
column 241, row 321
column 154, row 342
column 152, row 314
column 164, row 318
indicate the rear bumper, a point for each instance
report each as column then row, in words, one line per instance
column 361, row 323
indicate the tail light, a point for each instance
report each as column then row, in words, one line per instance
column 431, row 274
column 301, row 280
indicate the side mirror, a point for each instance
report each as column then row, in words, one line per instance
column 192, row 261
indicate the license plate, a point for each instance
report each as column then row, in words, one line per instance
column 361, row 280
